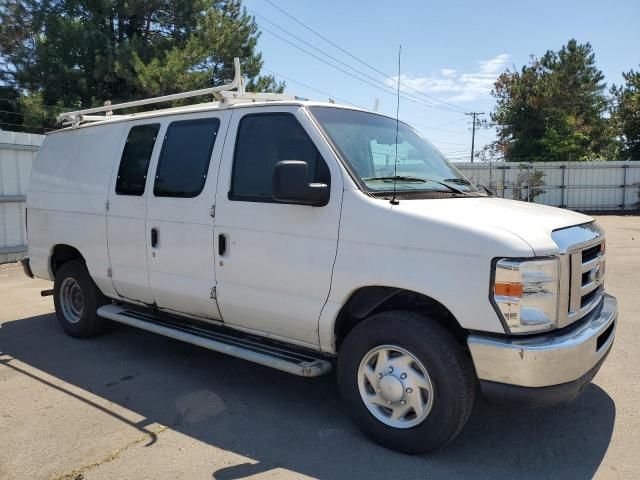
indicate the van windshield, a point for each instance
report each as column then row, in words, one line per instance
column 367, row 143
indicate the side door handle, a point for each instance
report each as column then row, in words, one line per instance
column 222, row 244
column 154, row 237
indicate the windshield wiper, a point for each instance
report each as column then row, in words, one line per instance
column 464, row 181
column 399, row 178
column 459, row 181
column 403, row 178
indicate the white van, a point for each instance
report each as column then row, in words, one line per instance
column 306, row 236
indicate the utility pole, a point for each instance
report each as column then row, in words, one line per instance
column 473, row 134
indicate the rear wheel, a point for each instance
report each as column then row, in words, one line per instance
column 405, row 381
column 77, row 299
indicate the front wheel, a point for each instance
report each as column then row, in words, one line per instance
column 405, row 381
column 76, row 299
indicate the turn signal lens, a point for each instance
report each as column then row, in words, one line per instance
column 509, row 289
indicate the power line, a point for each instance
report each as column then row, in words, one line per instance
column 458, row 109
column 405, row 96
column 330, row 56
column 13, row 102
column 452, row 143
column 458, row 151
column 289, row 79
column 26, row 126
column 41, row 117
column 328, row 94
column 459, row 132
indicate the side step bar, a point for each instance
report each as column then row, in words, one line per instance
column 245, row 347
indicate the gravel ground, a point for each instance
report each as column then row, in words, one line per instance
column 133, row 405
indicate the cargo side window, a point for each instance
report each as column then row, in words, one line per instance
column 185, row 156
column 132, row 173
column 263, row 140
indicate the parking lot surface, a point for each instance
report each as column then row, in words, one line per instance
column 134, row 405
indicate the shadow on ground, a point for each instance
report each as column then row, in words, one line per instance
column 283, row 421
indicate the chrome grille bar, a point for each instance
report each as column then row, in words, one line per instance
column 582, row 269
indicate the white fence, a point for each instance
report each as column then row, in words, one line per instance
column 17, row 152
column 577, row 185
column 588, row 186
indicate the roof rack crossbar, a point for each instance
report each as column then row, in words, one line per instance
column 78, row 116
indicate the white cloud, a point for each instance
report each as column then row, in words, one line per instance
column 457, row 86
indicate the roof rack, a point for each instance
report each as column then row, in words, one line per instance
column 222, row 93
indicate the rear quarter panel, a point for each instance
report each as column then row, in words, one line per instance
column 67, row 196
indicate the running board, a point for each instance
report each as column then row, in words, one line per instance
column 238, row 345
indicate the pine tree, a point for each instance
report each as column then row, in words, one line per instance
column 555, row 108
column 79, row 53
column 627, row 114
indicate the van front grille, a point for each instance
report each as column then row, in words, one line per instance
column 587, row 278
column 581, row 271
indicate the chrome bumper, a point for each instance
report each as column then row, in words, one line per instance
column 549, row 359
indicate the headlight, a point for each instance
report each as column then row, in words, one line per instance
column 525, row 293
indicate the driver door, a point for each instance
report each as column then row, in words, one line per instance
column 274, row 260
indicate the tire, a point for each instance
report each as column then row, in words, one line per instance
column 77, row 299
column 445, row 393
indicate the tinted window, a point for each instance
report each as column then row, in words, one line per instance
column 263, row 140
column 184, row 160
column 132, row 174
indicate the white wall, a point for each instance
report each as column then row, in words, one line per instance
column 17, row 152
column 573, row 185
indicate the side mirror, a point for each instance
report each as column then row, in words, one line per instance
column 291, row 185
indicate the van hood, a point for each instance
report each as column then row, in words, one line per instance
column 531, row 222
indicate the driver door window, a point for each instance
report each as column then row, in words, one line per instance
column 264, row 140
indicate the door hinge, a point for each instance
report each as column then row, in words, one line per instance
column 212, row 211
column 106, row 205
column 213, row 294
column 109, row 272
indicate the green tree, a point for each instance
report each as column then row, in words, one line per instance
column 79, row 53
column 627, row 114
column 554, row 108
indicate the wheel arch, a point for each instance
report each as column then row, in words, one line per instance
column 62, row 253
column 366, row 301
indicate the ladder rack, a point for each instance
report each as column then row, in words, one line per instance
column 222, row 93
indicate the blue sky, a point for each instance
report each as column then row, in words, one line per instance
column 452, row 51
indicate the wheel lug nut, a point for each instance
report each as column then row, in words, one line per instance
column 389, row 402
column 390, row 369
column 403, row 376
column 378, row 390
column 380, row 375
column 409, row 390
column 402, row 402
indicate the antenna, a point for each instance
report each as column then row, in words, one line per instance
column 394, row 200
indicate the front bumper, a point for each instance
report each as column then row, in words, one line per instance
column 549, row 368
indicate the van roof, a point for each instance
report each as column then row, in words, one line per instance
column 203, row 107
